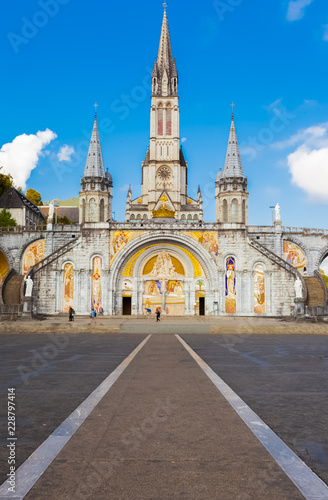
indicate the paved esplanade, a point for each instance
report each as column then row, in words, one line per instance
column 163, row 431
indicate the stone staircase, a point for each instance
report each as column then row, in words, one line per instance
column 54, row 256
column 316, row 292
column 11, row 294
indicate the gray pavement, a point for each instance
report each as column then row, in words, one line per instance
column 284, row 379
column 52, row 375
column 163, row 431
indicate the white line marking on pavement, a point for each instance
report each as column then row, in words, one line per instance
column 307, row 482
column 36, row 464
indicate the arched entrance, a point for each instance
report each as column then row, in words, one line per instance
column 163, row 273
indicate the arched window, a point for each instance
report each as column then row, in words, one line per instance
column 160, row 119
column 93, row 210
column 68, row 285
column 259, row 289
column 183, row 217
column 139, row 217
column 168, row 120
column 102, row 211
column 132, row 217
column 189, row 218
column 225, row 211
column 234, row 211
column 195, row 217
column 83, row 211
column 145, row 217
column 243, row 211
column 230, row 287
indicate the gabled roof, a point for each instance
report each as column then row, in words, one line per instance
column 233, row 166
column 14, row 199
column 94, row 166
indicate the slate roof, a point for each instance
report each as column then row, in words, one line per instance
column 72, row 213
column 14, row 199
column 233, row 166
column 94, row 166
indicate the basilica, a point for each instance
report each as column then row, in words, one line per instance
column 164, row 255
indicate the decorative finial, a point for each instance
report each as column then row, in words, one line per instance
column 96, row 106
column 164, row 5
column 232, row 105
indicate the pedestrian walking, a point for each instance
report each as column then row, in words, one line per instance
column 93, row 316
column 71, row 313
column 158, row 315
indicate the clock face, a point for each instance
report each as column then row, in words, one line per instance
column 164, row 173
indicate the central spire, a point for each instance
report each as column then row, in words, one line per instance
column 165, row 75
column 164, row 57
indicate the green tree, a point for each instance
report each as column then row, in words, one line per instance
column 6, row 182
column 6, row 219
column 34, row 197
column 63, row 220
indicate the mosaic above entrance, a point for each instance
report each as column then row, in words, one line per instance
column 208, row 240
column 118, row 240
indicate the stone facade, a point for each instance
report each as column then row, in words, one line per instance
column 164, row 255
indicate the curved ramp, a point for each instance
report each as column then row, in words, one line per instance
column 316, row 293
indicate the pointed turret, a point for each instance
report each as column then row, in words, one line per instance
column 96, row 184
column 165, row 75
column 231, row 195
column 233, row 166
column 94, row 166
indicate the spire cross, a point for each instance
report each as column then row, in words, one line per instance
column 164, row 5
column 96, row 106
column 232, row 105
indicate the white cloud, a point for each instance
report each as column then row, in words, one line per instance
column 325, row 34
column 315, row 136
column 308, row 165
column 21, row 156
column 183, row 139
column 65, row 153
column 296, row 9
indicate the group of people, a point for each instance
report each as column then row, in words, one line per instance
column 93, row 314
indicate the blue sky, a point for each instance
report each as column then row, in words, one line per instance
column 58, row 57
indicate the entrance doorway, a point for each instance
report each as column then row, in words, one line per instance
column 127, row 306
column 201, row 306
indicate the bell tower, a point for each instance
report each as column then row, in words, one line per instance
column 164, row 170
